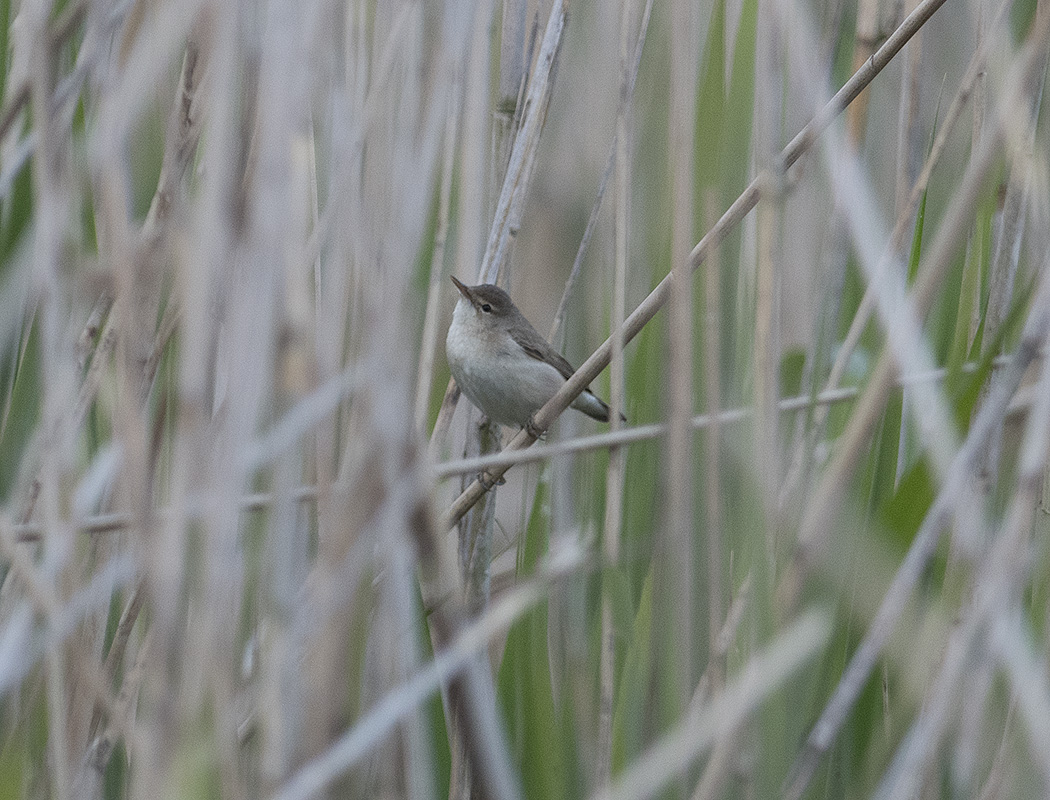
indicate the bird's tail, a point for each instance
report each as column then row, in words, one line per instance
column 593, row 406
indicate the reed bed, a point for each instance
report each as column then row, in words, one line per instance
column 253, row 543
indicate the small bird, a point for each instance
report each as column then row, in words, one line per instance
column 502, row 364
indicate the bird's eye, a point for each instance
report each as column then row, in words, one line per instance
column 486, row 307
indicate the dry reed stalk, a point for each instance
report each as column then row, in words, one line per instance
column 614, row 476
column 763, row 267
column 1002, row 276
column 720, row 630
column 719, row 765
column 909, row 142
column 132, row 320
column 377, row 498
column 42, row 598
column 52, row 177
column 865, row 43
column 557, row 325
column 673, row 558
column 429, row 342
column 712, row 355
column 515, row 184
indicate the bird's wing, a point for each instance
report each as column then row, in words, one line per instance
column 535, row 346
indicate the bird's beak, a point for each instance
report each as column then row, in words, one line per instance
column 463, row 289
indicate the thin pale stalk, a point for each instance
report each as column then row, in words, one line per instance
column 719, row 765
column 908, row 130
column 1002, row 773
column 762, row 284
column 115, row 656
column 908, row 154
column 610, row 165
column 673, row 543
column 519, row 173
column 513, row 73
column 415, row 766
column 1002, row 275
column 712, row 347
column 428, row 346
column 614, row 476
column 52, row 192
column 766, row 447
column 867, row 37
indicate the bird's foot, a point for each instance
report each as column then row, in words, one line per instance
column 533, row 431
column 488, row 483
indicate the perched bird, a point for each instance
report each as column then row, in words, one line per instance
column 501, row 363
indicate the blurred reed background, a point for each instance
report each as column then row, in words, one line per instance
column 232, row 556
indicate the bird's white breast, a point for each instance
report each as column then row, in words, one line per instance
column 494, row 372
